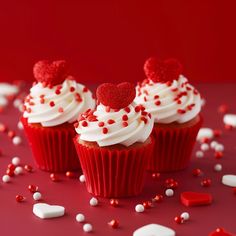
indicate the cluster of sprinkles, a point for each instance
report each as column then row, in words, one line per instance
column 89, row 116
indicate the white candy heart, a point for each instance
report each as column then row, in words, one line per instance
column 205, row 133
column 44, row 211
column 230, row 119
column 154, row 230
column 229, row 180
column 8, row 89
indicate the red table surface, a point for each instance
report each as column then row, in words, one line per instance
column 18, row 219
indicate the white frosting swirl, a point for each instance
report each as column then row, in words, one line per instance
column 165, row 102
column 138, row 129
column 50, row 108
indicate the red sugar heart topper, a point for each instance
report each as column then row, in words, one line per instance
column 162, row 71
column 220, row 232
column 195, row 198
column 50, row 73
column 116, row 96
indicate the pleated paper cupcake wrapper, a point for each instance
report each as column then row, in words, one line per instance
column 53, row 148
column 114, row 172
column 172, row 148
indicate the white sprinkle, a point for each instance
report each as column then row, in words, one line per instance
column 87, row 228
column 218, row 167
column 205, row 133
column 82, row 178
column 17, row 102
column 199, row 154
column 139, row 208
column 93, row 201
column 17, row 140
column 229, row 180
column 19, row 125
column 80, row 217
column 213, row 144
column 6, row 178
column 185, row 215
column 169, row 192
column 230, row 119
column 219, row 148
column 15, row 161
column 204, row 147
column 37, row 196
column 21, row 108
column 19, row 170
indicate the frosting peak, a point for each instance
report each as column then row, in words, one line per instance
column 58, row 104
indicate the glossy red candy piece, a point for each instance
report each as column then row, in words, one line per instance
column 195, row 198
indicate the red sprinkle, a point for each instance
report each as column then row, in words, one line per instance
column 125, row 124
column 127, row 109
column 217, row 132
column 3, row 128
column 158, row 103
column 114, row 224
column 101, row 124
column 147, row 204
column 125, row 118
column 156, row 96
column 144, row 119
column 181, row 111
column 52, row 104
column 54, row 177
column 114, row 202
column 105, row 130
column 110, row 121
column 84, row 123
column 33, row 188
column 57, row 91
column 179, row 220
column 19, row 198
column 70, row 174
column 137, row 109
column 197, row 172
column 158, row 198
column 11, row 167
column 206, row 182
column 219, row 155
column 156, row 175
column 28, row 168
column 85, row 89
column 72, row 89
column 10, row 172
column 11, row 134
column 60, row 109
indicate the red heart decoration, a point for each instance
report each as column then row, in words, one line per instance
column 162, row 71
column 50, row 73
column 195, row 198
column 220, row 232
column 116, row 96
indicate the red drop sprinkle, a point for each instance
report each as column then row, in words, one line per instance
column 179, row 220
column 219, row 155
column 125, row 118
column 33, row 188
column 158, row 198
column 60, row 109
column 197, row 172
column 158, row 103
column 105, row 130
column 84, row 123
column 110, row 121
column 101, row 124
column 147, row 204
column 127, row 109
column 28, row 168
column 181, row 111
column 42, row 101
column 57, row 91
column 137, row 109
column 3, row 128
column 11, row 134
column 108, row 109
column 54, row 177
column 206, row 182
column 228, row 127
column 85, row 89
column 114, row 202
column 78, row 97
column 19, row 198
column 125, row 124
column 52, row 104
column 11, row 167
column 223, row 109
column 72, row 89
column 156, row 96
column 144, row 119
column 156, row 175
column 217, row 133
column 10, row 172
column 114, row 224
column 70, row 174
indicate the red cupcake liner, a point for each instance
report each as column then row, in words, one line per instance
column 114, row 172
column 173, row 147
column 53, row 148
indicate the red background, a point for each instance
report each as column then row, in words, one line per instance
column 109, row 40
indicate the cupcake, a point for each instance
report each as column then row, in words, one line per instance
column 175, row 106
column 50, row 110
column 113, row 142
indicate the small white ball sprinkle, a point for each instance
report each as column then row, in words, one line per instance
column 204, row 147
column 218, row 167
column 37, row 196
column 80, row 217
column 87, row 228
column 19, row 125
column 82, row 178
column 199, row 154
column 6, row 178
column 219, row 148
column 93, row 201
column 169, row 192
column 17, row 140
column 17, row 102
column 185, row 215
column 15, row 161
column 139, row 208
column 213, row 144
column 19, row 170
